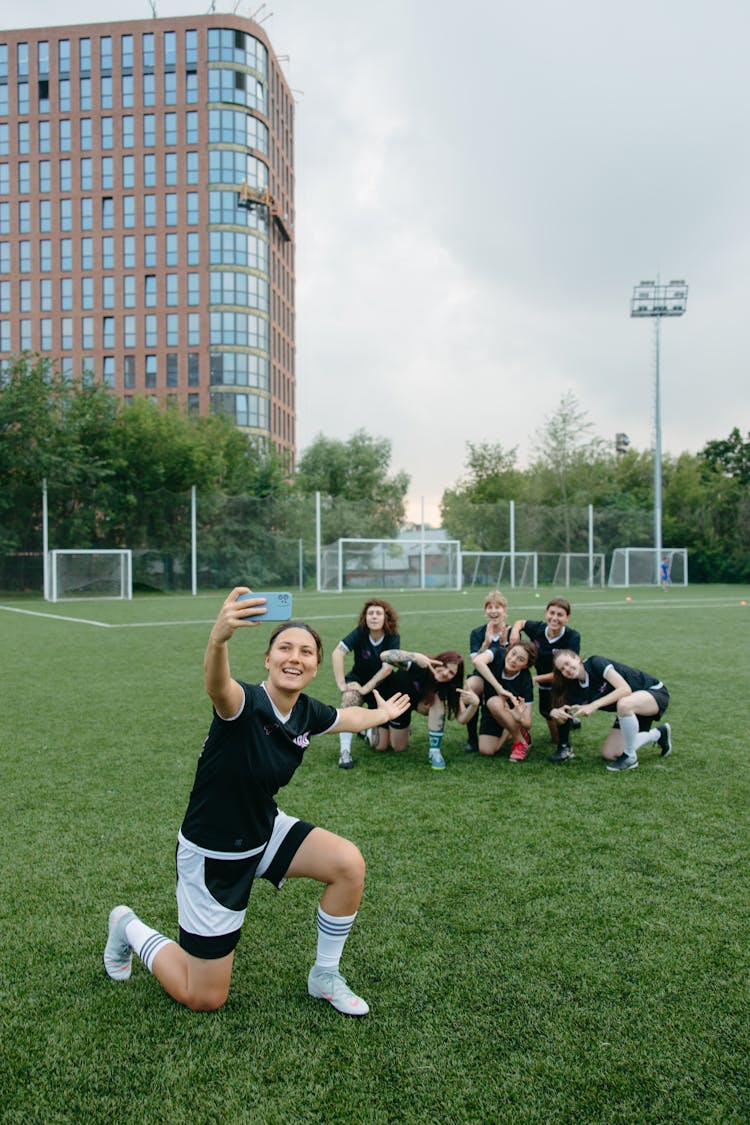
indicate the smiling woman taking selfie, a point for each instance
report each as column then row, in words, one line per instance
column 234, row 832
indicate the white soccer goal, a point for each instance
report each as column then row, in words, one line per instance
column 414, row 564
column 493, row 568
column 90, row 574
column 579, row 569
column 641, row 566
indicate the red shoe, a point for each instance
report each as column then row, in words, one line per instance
column 518, row 751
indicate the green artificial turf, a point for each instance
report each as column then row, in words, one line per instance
column 537, row 943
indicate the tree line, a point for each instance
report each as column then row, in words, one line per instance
column 120, row 475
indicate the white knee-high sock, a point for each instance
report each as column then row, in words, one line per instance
column 345, row 740
column 332, row 934
column 145, row 941
column 633, row 737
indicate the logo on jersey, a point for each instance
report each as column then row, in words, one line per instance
column 302, row 740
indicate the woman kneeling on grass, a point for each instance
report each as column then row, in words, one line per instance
column 509, row 698
column 434, row 686
column 233, row 830
column 581, row 687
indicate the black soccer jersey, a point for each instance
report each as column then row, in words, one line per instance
column 521, row 684
column 244, row 763
column 367, row 662
column 546, row 647
column 595, row 685
column 476, row 638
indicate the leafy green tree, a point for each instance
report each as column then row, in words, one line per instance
column 731, row 457
column 360, row 498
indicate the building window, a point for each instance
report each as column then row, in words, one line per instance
column 63, row 56
column 171, row 253
column 128, row 132
column 45, row 180
column 24, row 252
column 87, row 332
column 170, row 209
column 24, row 216
column 45, row 334
column 64, row 171
column 194, row 369
column 108, row 252
column 173, row 330
column 108, row 331
column 129, row 339
column 84, row 95
column 87, row 174
column 87, row 292
column 192, row 208
column 66, row 253
column 191, row 168
column 66, row 333
column 193, row 249
column 44, row 135
column 191, row 128
column 193, row 403
column 128, row 211
column 170, row 88
column 148, row 50
column 45, row 255
column 194, row 289
column 170, row 168
column 63, row 95
column 149, row 130
column 149, row 170
column 191, row 87
column 151, row 337
column 172, row 299
column 108, row 372
column 126, row 52
column 64, row 135
column 170, row 128
column 105, row 91
column 172, row 379
column 85, row 125
column 25, row 335
column 194, row 330
column 45, row 294
column 128, row 172
column 191, row 48
column 149, row 89
column 149, row 250
column 128, row 371
column 84, row 56
column 151, row 371
column 126, row 91
column 149, row 210
column 106, row 132
column 66, row 293
column 108, row 212
column 87, row 253
column 149, row 298
column 24, row 296
column 87, row 213
column 24, row 142
column 45, row 214
column 128, row 252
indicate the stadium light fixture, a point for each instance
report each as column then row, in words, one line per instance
column 655, row 301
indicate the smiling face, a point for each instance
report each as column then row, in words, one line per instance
column 495, row 612
column 292, row 660
column 569, row 665
column 516, row 659
column 556, row 619
column 446, row 672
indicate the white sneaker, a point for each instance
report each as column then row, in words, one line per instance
column 118, row 954
column 437, row 761
column 345, row 760
column 328, row 984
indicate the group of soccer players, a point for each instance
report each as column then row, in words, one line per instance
column 233, row 831
column 495, row 702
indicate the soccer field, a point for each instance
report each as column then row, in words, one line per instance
column 537, row 943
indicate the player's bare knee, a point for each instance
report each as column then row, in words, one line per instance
column 351, row 699
column 349, row 864
column 208, row 1000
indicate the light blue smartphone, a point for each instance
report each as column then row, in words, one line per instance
column 278, row 606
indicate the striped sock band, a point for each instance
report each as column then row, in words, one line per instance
column 332, row 934
column 145, row 941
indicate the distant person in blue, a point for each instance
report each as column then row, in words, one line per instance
column 582, row 687
column 665, row 568
column 376, row 631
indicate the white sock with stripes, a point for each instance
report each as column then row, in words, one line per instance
column 145, row 941
column 332, row 934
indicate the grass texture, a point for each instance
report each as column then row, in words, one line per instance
column 538, row 943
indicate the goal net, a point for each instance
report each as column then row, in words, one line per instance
column 414, row 564
column 493, row 568
column 578, row 569
column 641, row 566
column 90, row 574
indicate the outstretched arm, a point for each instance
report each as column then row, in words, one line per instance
column 360, row 718
column 226, row 694
column 481, row 662
column 400, row 657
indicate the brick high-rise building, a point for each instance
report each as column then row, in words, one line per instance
column 128, row 247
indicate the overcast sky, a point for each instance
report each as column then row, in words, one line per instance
column 479, row 187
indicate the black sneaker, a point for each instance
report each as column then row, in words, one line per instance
column 665, row 739
column 345, row 760
column 471, row 748
column 562, row 754
column 624, row 762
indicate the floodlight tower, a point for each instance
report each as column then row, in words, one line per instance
column 655, row 300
